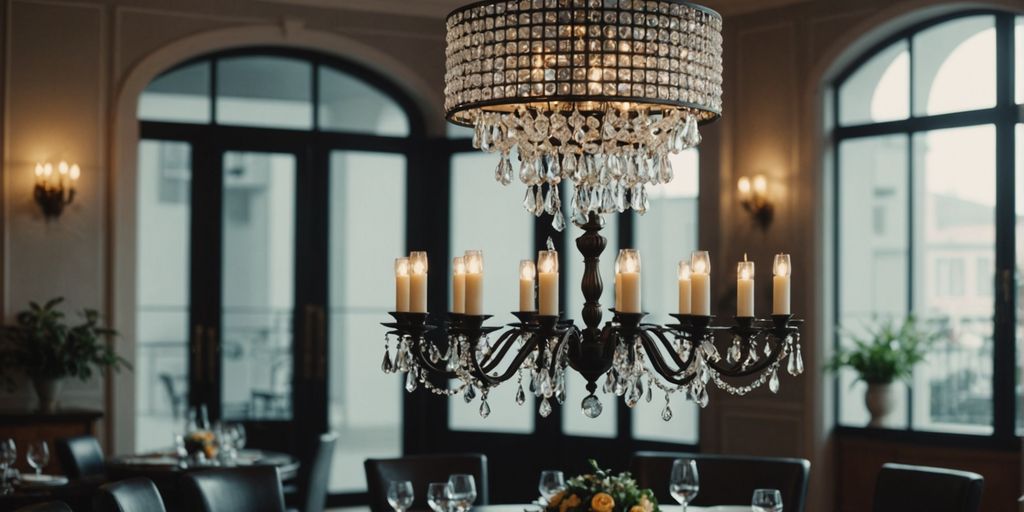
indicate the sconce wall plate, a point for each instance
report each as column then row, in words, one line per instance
column 55, row 190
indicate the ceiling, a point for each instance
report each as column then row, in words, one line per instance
column 440, row 8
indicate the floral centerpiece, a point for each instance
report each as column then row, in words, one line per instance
column 201, row 441
column 602, row 491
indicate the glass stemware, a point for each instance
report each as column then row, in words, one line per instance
column 38, row 456
column 8, row 456
column 463, row 491
column 766, row 500
column 439, row 496
column 684, row 482
column 400, row 495
column 551, row 483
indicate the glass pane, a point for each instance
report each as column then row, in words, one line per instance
column 666, row 234
column 181, row 95
column 162, row 332
column 369, row 422
column 258, row 285
column 955, row 66
column 955, row 238
column 455, row 131
column 349, row 104
column 490, row 217
column 1019, row 182
column 879, row 90
column 273, row 92
column 573, row 420
column 1018, row 37
column 873, row 252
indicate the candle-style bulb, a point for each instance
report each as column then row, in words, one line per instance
column 744, row 188
column 458, row 265
column 527, row 269
column 760, row 184
column 745, row 269
column 418, row 262
column 782, row 265
column 474, row 262
column 547, row 261
column 47, row 169
column 684, row 270
column 401, row 266
column 700, row 262
column 75, row 172
column 62, row 167
column 39, row 170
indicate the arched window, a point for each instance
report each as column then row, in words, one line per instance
column 927, row 129
column 271, row 186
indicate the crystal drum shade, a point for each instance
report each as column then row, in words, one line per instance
column 597, row 92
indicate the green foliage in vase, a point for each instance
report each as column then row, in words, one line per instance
column 42, row 345
column 887, row 351
column 602, row 491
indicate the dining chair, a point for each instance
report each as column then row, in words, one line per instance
column 49, row 506
column 311, row 490
column 132, row 495
column 901, row 487
column 727, row 479
column 421, row 470
column 239, row 489
column 81, row 457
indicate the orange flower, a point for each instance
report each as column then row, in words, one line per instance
column 645, row 505
column 602, row 502
column 571, row 502
column 636, row 508
column 556, row 499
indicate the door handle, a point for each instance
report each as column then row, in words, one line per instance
column 321, row 336
column 196, row 372
column 307, row 341
column 211, row 354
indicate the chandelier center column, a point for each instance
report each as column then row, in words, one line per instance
column 591, row 244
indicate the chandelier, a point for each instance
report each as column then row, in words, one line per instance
column 599, row 94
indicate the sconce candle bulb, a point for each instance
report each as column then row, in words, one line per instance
column 753, row 195
column 54, row 191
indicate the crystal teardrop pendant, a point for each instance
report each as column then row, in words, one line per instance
column 410, row 381
column 650, row 392
column 791, row 364
column 799, row 362
column 591, row 406
column 767, row 349
column 691, row 135
column 666, row 413
column 530, row 201
column 538, row 205
column 558, row 222
column 702, row 397
column 609, row 382
column 733, row 355
column 385, row 365
column 545, row 408
column 520, row 395
column 773, row 382
column 485, row 410
column 470, row 394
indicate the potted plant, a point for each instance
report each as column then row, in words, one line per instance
column 885, row 353
column 46, row 349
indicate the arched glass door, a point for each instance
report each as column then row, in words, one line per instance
column 270, row 184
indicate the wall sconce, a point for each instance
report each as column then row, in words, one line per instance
column 55, row 190
column 754, row 198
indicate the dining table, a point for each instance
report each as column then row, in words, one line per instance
column 533, row 507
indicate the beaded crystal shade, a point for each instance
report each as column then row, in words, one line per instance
column 595, row 92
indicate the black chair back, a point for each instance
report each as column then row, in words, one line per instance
column 732, row 478
column 901, row 487
column 49, row 506
column 132, row 495
column 314, row 477
column 421, row 470
column 242, row 489
column 81, row 457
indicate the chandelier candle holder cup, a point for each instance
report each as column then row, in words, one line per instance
column 599, row 94
column 55, row 187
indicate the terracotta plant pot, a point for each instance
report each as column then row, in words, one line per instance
column 47, row 390
column 881, row 401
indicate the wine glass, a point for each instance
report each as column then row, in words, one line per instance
column 551, row 483
column 766, row 500
column 38, row 456
column 8, row 456
column 684, row 482
column 439, row 496
column 237, row 431
column 463, row 491
column 400, row 495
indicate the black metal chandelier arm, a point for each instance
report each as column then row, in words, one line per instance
column 658, row 332
column 513, row 367
column 660, row 366
column 750, row 370
column 504, row 343
column 424, row 360
column 569, row 333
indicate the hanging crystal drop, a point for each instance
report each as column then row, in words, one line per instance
column 691, row 134
column 538, row 207
column 504, row 171
column 533, row 382
column 530, row 201
column 470, row 394
column 560, row 395
column 520, row 395
column 545, row 408
column 549, row 201
column 609, row 382
column 773, row 382
column 702, row 397
column 632, row 397
column 734, row 354
column 791, row 364
column 650, row 392
column 485, row 410
column 591, row 406
column 435, row 354
column 558, row 222
column 666, row 413
column 767, row 349
column 401, row 364
column 385, row 365
column 410, row 381
column 799, row 361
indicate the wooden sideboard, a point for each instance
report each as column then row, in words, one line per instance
column 27, row 426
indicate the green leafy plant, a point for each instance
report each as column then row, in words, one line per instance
column 886, row 352
column 43, row 346
column 603, row 491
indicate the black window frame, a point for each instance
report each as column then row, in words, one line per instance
column 1004, row 116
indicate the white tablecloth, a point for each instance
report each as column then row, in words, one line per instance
column 664, row 508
